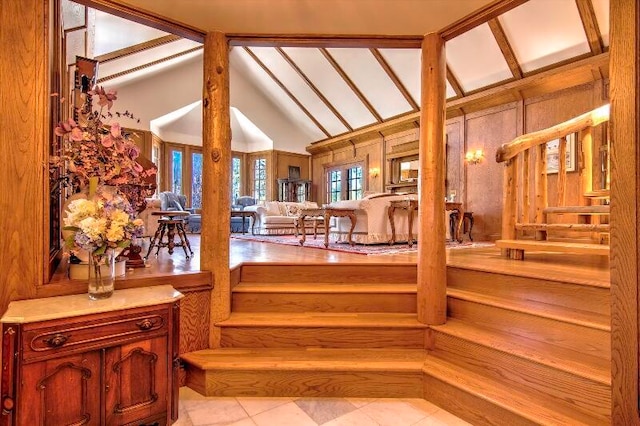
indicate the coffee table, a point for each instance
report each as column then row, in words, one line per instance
column 326, row 213
column 245, row 214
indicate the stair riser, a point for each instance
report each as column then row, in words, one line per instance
column 329, row 273
column 468, row 406
column 261, row 383
column 577, row 392
column 582, row 339
column 325, row 337
column 323, row 302
column 586, row 298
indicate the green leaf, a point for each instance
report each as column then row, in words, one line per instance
column 100, row 250
column 124, row 244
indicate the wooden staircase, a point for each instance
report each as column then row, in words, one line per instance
column 515, row 350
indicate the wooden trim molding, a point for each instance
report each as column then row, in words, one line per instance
column 392, row 75
column 480, row 16
column 324, row 41
column 136, row 48
column 453, row 81
column 505, row 47
column 590, row 25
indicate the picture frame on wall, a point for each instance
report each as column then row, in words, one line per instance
column 553, row 156
column 294, row 172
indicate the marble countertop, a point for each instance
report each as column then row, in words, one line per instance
column 33, row 310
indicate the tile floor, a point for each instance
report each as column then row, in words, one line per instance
column 197, row 410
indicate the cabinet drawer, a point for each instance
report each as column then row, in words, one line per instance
column 47, row 339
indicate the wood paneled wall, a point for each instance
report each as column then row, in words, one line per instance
column 479, row 186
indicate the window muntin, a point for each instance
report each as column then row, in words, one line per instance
column 260, row 179
column 196, row 180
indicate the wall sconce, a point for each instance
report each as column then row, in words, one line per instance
column 474, row 157
column 374, row 172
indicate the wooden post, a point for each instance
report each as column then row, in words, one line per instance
column 526, row 176
column 625, row 193
column 541, row 188
column 586, row 166
column 216, row 198
column 562, row 170
column 432, row 285
column 510, row 202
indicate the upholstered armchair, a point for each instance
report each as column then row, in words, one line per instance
column 172, row 202
column 240, row 204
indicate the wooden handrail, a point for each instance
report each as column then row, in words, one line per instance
column 524, row 142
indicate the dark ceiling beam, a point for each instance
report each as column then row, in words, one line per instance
column 505, row 47
column 314, row 88
column 351, row 84
column 145, row 17
column 121, row 53
column 329, row 40
column 479, row 17
column 392, row 75
column 148, row 64
column 590, row 25
column 455, row 84
column 287, row 91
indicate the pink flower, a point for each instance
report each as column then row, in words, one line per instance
column 76, row 134
column 116, row 130
column 107, row 141
column 104, row 98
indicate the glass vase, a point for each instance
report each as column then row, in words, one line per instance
column 102, row 274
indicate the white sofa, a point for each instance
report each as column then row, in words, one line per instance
column 277, row 217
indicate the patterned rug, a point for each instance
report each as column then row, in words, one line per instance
column 371, row 249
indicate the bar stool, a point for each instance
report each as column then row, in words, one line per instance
column 170, row 223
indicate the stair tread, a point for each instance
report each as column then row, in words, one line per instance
column 321, row 319
column 568, row 247
column 589, row 366
column 392, row 288
column 535, row 408
column 313, row 359
column 597, row 209
column 598, row 193
column 532, row 307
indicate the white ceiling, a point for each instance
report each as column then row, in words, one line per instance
column 317, row 102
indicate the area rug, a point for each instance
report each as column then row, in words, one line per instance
column 371, row 249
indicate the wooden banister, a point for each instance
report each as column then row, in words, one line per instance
column 519, row 144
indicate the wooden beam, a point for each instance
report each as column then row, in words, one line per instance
column 325, row 41
column 590, row 25
column 392, row 75
column 146, row 17
column 216, row 199
column 140, row 47
column 625, row 200
column 314, row 88
column 351, row 84
column 505, row 47
column 432, row 277
column 148, row 64
column 455, row 84
column 287, row 91
column 480, row 16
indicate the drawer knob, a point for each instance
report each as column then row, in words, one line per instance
column 7, row 405
column 56, row 340
column 145, row 324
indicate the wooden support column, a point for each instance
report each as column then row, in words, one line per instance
column 586, row 170
column 216, row 199
column 541, row 188
column 510, row 199
column 624, row 71
column 432, row 274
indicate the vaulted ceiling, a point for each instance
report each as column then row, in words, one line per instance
column 290, row 97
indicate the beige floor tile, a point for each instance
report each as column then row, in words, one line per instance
column 285, row 415
column 215, row 411
column 322, row 410
column 354, row 418
column 361, row 402
column 442, row 418
column 393, row 412
column 245, row 422
column 425, row 406
column 257, row 405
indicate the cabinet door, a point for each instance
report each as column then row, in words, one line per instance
column 136, row 377
column 62, row 391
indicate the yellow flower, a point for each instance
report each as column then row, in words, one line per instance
column 115, row 233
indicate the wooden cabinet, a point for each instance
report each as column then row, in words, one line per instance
column 71, row 361
column 296, row 190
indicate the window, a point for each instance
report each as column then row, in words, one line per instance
column 155, row 159
column 260, row 179
column 175, row 169
column 236, row 178
column 196, row 180
column 344, row 182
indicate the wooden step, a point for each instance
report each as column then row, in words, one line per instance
column 324, row 297
column 564, row 227
column 564, row 314
column 580, row 210
column 583, row 382
column 586, row 294
column 484, row 401
column 330, row 330
column 578, row 334
column 329, row 273
column 554, row 246
column 368, row 373
column 604, row 194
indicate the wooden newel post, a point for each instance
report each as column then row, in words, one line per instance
column 432, row 275
column 509, row 206
column 216, row 198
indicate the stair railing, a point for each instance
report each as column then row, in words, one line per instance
column 518, row 172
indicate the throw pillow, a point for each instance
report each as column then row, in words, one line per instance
column 272, row 208
column 293, row 210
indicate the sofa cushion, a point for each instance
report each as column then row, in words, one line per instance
column 293, row 209
column 280, row 220
column 273, row 208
